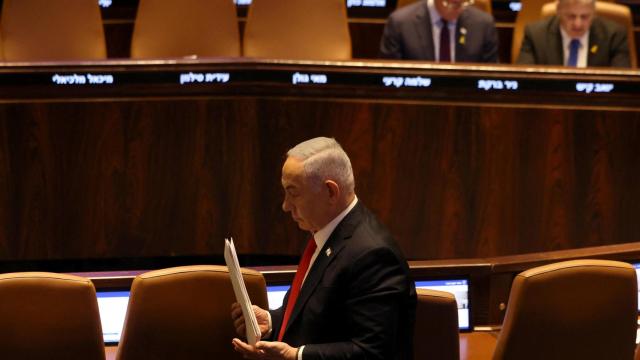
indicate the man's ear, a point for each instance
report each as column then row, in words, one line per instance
column 333, row 190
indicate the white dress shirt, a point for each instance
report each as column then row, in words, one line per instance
column 436, row 28
column 582, row 51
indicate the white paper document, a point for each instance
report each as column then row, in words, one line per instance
column 240, row 290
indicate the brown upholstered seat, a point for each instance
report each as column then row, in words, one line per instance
column 1, row 46
column 45, row 30
column 297, row 29
column 529, row 13
column 484, row 5
column 616, row 12
column 436, row 329
column 184, row 313
column 49, row 316
column 179, row 28
column 581, row 309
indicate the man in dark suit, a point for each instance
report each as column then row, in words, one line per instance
column 418, row 32
column 575, row 37
column 357, row 299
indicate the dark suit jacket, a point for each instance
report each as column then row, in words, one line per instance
column 358, row 300
column 542, row 44
column 408, row 35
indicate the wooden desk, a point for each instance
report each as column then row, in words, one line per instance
column 477, row 345
column 124, row 159
column 473, row 346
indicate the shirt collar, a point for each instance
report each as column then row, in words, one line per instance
column 435, row 15
column 321, row 236
column 584, row 39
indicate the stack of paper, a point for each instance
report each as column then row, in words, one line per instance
column 240, row 290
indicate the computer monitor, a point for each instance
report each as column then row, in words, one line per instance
column 275, row 295
column 113, row 308
column 460, row 289
column 637, row 267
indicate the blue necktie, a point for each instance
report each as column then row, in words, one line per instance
column 574, row 46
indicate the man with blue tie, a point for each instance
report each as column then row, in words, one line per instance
column 440, row 30
column 575, row 37
column 352, row 296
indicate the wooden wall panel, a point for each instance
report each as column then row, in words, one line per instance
column 143, row 178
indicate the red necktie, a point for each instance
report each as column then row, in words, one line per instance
column 297, row 283
column 445, row 48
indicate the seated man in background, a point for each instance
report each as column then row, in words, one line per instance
column 352, row 296
column 440, row 30
column 575, row 37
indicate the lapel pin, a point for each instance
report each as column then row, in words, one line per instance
column 594, row 49
column 463, row 34
column 462, row 40
column 328, row 252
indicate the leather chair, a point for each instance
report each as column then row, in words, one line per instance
column 436, row 330
column 297, row 29
column 180, row 28
column 580, row 309
column 45, row 30
column 185, row 313
column 484, row 5
column 615, row 12
column 49, row 316
column 1, row 46
column 530, row 12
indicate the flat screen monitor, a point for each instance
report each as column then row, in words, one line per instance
column 113, row 308
column 460, row 289
column 275, row 295
column 637, row 267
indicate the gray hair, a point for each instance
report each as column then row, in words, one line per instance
column 324, row 159
column 565, row 2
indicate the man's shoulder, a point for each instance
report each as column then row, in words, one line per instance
column 409, row 12
column 607, row 26
column 544, row 24
column 475, row 15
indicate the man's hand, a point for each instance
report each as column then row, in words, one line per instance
column 238, row 319
column 270, row 350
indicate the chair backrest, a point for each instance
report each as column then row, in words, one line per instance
column 49, row 316
column 45, row 30
column 185, row 313
column 484, row 5
column 529, row 13
column 179, row 28
column 616, row 12
column 580, row 309
column 436, row 329
column 1, row 46
column 297, row 29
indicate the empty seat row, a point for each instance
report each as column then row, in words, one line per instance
column 176, row 313
column 44, row 30
column 580, row 309
column 574, row 309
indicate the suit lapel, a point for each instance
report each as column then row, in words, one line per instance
column 327, row 254
column 595, row 44
column 460, row 38
column 555, row 52
column 424, row 33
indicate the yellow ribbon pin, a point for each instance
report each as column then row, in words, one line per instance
column 594, row 49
